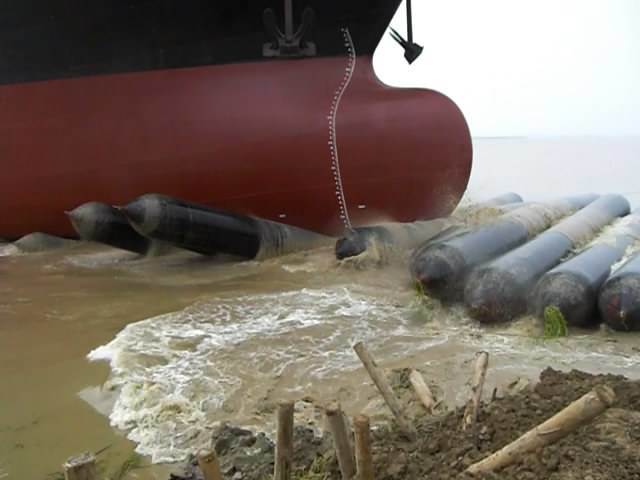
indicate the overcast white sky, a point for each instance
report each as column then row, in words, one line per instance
column 526, row 67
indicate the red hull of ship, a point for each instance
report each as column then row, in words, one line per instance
column 252, row 138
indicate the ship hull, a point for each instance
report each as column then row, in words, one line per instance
column 318, row 143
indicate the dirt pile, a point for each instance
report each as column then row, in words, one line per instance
column 605, row 449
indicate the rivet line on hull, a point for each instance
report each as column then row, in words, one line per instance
column 333, row 142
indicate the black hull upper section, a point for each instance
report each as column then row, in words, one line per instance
column 50, row 39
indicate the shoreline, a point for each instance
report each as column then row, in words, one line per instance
column 605, row 448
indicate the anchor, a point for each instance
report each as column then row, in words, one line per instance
column 411, row 49
column 289, row 43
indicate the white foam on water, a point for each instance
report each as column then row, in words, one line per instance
column 623, row 226
column 99, row 259
column 3, row 471
column 178, row 373
column 231, row 357
column 104, row 352
column 589, row 352
column 9, row 250
column 306, row 268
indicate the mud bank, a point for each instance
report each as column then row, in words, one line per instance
column 604, row 449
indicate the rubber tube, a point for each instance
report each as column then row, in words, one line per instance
column 407, row 235
column 41, row 242
column 209, row 231
column 102, row 223
column 573, row 286
column 399, row 235
column 619, row 299
column 504, row 199
column 497, row 292
column 442, row 267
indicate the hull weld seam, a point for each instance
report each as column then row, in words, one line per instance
column 333, row 141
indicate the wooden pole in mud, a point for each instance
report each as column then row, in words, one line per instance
column 479, row 375
column 384, row 388
column 364, row 458
column 210, row 465
column 422, row 390
column 81, row 467
column 338, row 428
column 284, row 442
column 557, row 427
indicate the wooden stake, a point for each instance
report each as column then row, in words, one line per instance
column 284, row 442
column 559, row 426
column 364, row 458
column 422, row 390
column 210, row 465
column 344, row 452
column 384, row 388
column 81, row 467
column 473, row 406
